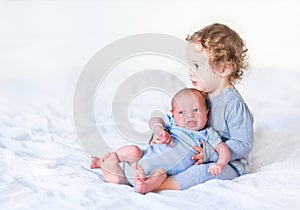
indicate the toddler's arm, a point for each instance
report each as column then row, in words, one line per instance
column 240, row 127
column 224, row 157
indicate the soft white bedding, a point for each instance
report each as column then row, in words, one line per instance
column 41, row 158
column 44, row 46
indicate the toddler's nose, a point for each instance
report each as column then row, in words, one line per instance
column 191, row 73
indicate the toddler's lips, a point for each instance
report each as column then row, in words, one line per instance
column 194, row 83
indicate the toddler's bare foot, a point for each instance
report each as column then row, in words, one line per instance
column 111, row 169
column 95, row 163
column 139, row 179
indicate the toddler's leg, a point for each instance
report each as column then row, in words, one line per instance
column 143, row 184
column 111, row 169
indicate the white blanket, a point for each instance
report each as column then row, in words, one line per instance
column 45, row 44
column 41, row 158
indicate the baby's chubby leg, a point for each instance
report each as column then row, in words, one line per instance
column 111, row 169
column 130, row 153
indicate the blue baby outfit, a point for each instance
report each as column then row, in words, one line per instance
column 177, row 158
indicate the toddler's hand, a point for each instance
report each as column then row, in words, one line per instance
column 216, row 169
column 199, row 158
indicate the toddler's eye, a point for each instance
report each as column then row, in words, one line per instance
column 181, row 112
column 196, row 110
column 196, row 66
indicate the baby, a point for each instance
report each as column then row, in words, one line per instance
column 147, row 169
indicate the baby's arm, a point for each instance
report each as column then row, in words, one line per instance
column 224, row 157
column 158, row 126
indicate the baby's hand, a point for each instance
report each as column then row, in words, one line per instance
column 165, row 138
column 216, row 169
column 155, row 140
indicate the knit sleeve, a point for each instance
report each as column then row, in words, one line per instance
column 240, row 126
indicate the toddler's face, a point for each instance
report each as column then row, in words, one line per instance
column 201, row 73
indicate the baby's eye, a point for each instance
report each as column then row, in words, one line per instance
column 181, row 112
column 196, row 66
column 196, row 110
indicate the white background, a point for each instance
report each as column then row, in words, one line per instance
column 55, row 37
column 44, row 45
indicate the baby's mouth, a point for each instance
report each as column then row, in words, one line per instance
column 191, row 123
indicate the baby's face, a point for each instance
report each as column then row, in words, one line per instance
column 201, row 73
column 190, row 111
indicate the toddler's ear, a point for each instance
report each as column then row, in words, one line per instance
column 226, row 70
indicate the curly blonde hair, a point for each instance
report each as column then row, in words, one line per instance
column 225, row 45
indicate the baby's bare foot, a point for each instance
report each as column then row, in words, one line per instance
column 139, row 179
column 111, row 169
column 95, row 163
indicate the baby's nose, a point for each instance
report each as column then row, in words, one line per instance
column 191, row 114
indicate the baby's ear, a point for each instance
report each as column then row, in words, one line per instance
column 172, row 112
column 207, row 111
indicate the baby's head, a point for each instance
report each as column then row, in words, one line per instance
column 189, row 109
column 222, row 45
